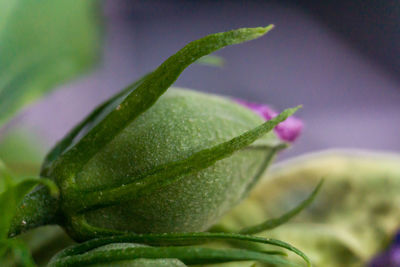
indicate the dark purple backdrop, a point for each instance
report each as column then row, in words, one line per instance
column 349, row 99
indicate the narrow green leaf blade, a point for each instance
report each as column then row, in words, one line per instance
column 148, row 92
column 176, row 239
column 42, row 44
column 188, row 255
column 275, row 222
column 26, row 185
column 88, row 123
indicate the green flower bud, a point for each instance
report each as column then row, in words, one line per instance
column 181, row 123
column 149, row 162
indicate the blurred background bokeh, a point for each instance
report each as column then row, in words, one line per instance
column 340, row 59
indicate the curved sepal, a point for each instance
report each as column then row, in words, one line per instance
column 146, row 94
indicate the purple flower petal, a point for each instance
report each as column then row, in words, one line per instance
column 288, row 130
column 390, row 257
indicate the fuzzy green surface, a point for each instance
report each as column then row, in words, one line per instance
column 181, row 123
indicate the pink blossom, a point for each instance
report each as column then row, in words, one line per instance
column 288, row 130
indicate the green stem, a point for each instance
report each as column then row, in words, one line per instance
column 37, row 208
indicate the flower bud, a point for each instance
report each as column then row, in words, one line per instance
column 149, row 162
column 180, row 124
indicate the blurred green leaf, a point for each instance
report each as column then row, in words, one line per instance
column 5, row 177
column 11, row 194
column 276, row 222
column 43, row 43
column 22, row 255
column 354, row 216
column 22, row 151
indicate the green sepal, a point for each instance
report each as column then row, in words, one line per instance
column 147, row 93
column 10, row 198
column 86, row 124
column 103, row 109
column 275, row 222
column 39, row 207
column 13, row 195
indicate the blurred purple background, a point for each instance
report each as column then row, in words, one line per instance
column 346, row 78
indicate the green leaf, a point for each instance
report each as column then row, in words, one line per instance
column 88, row 123
column 354, row 217
column 6, row 201
column 14, row 252
column 4, row 246
column 22, row 151
column 147, row 93
column 186, row 254
column 43, row 43
column 11, row 194
column 5, row 177
column 176, row 239
column 275, row 222
column 21, row 252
